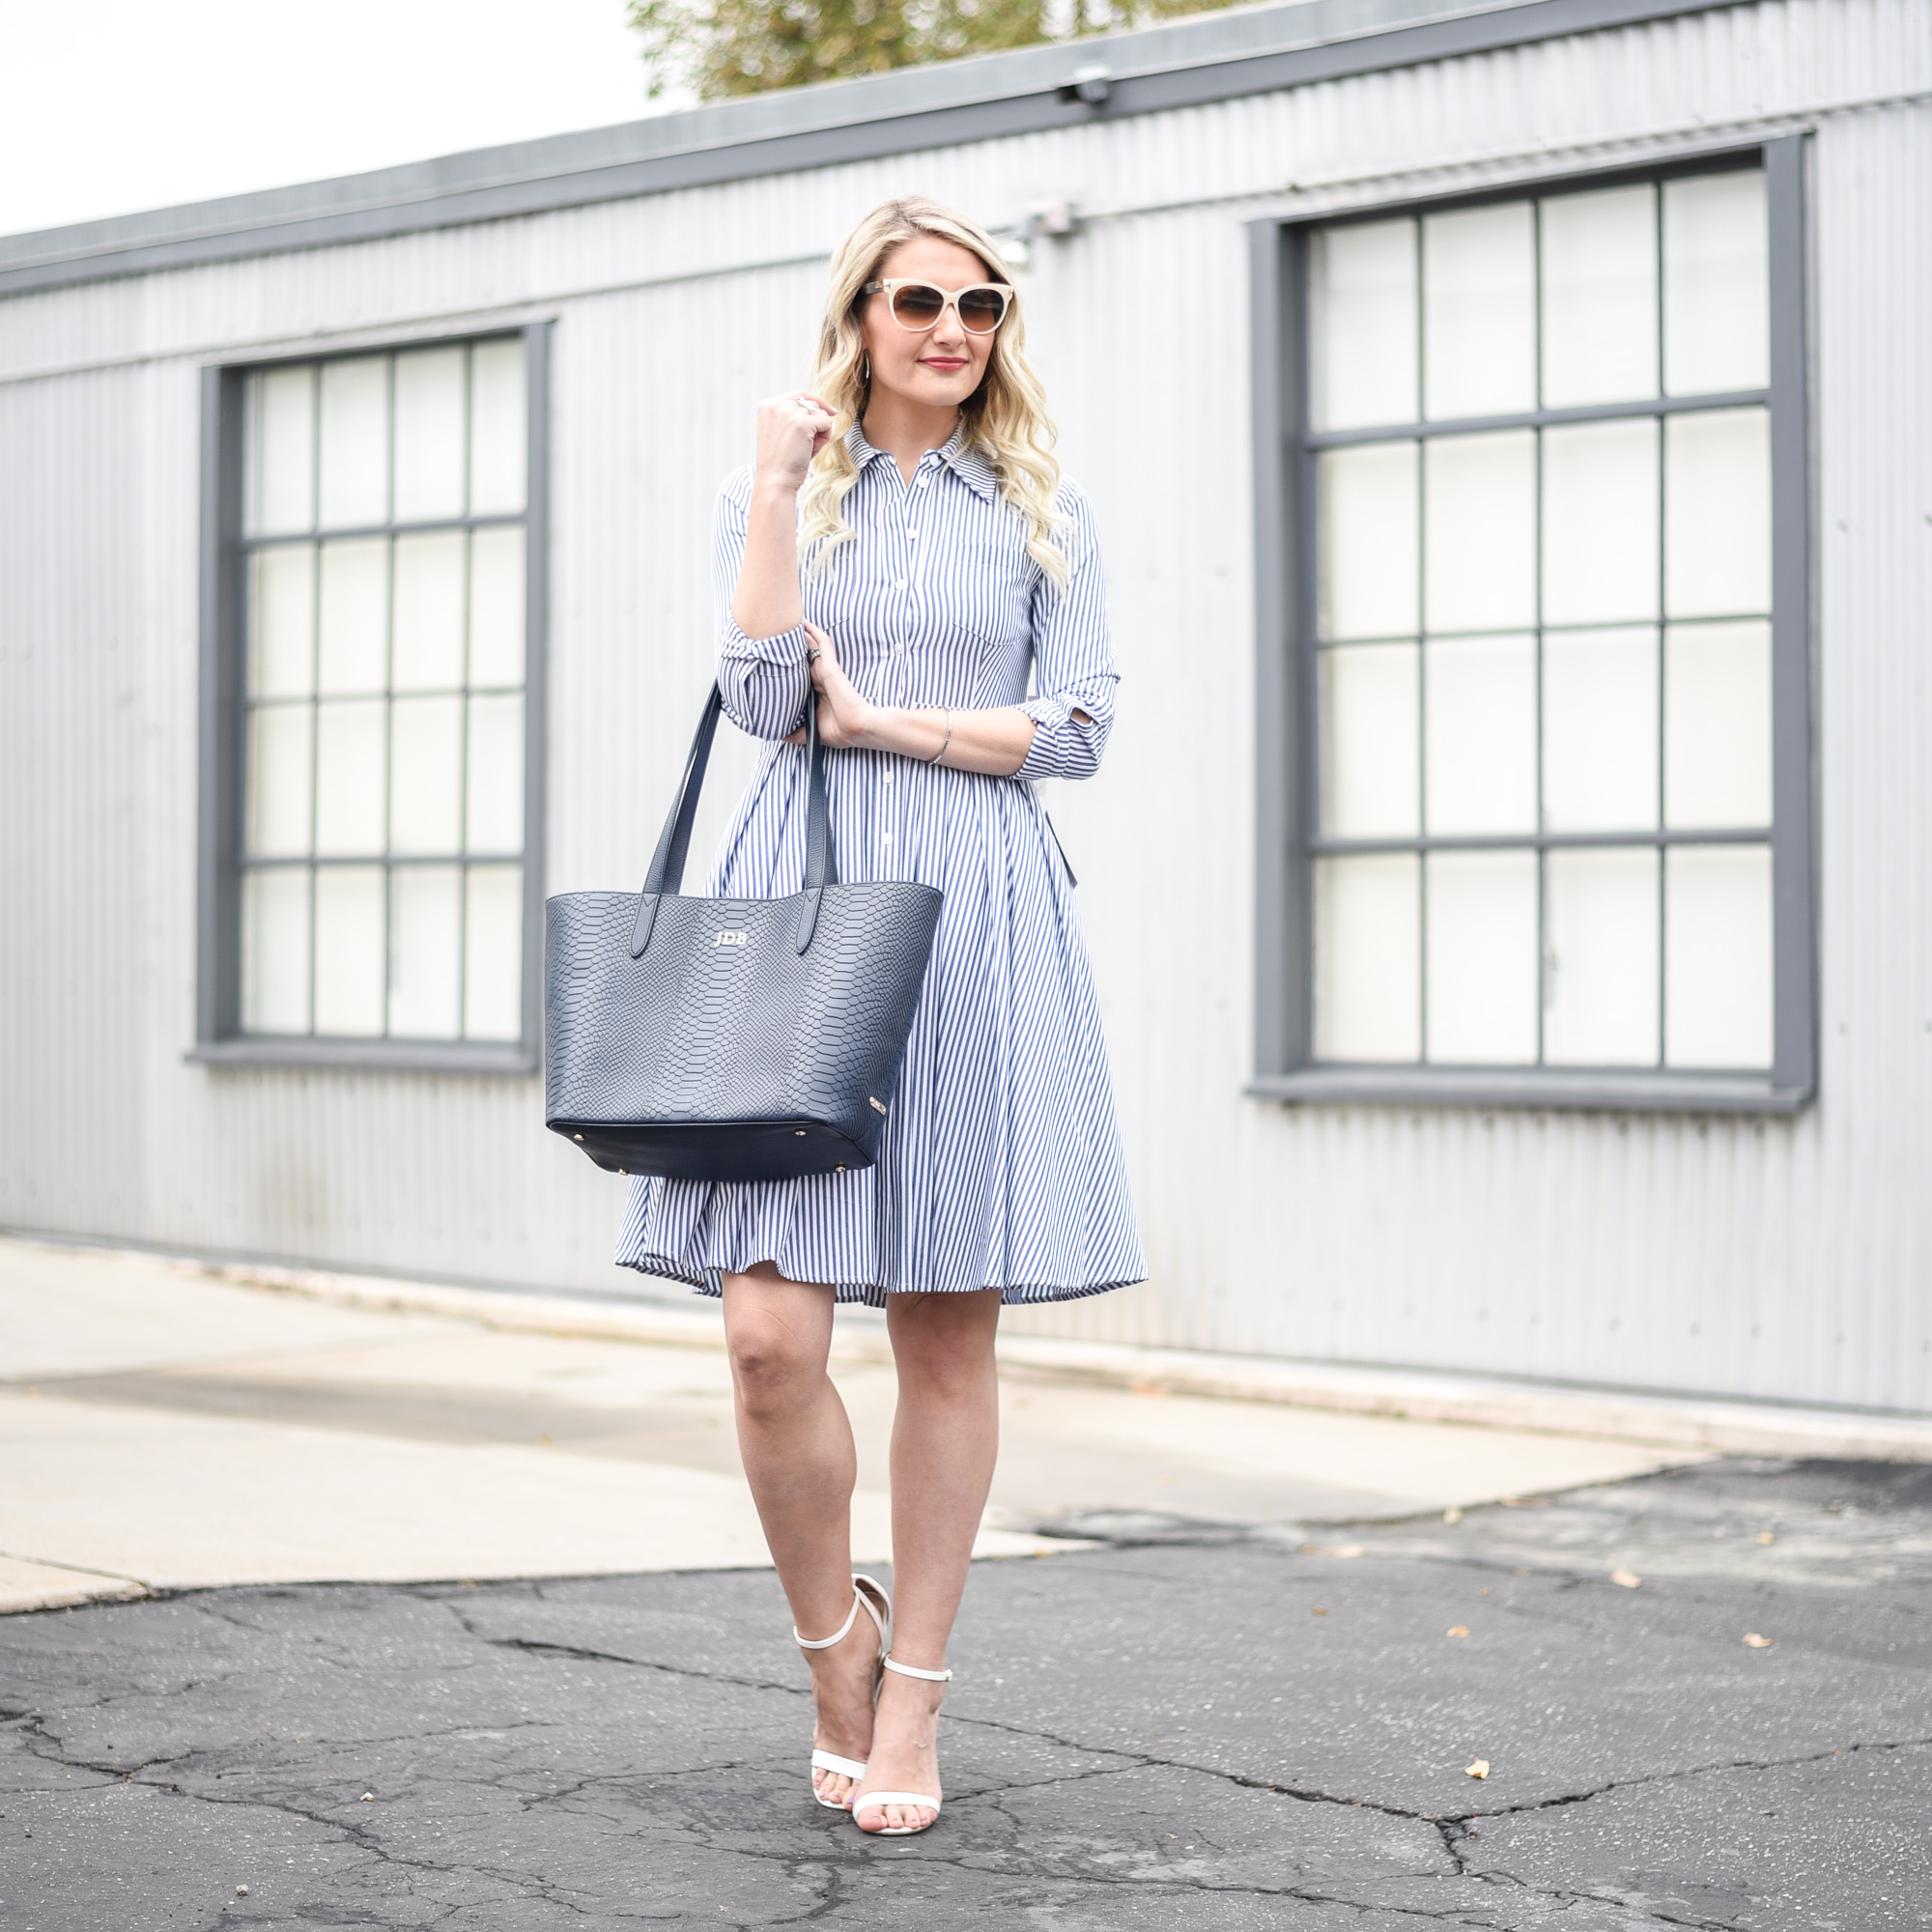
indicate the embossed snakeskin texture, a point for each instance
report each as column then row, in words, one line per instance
column 745, row 1033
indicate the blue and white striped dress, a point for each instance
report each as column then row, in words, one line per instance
column 1001, row 1162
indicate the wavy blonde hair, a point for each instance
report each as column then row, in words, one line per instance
column 1005, row 418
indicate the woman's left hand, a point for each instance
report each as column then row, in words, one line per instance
column 844, row 718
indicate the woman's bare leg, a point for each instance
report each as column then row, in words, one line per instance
column 796, row 1444
column 946, row 1437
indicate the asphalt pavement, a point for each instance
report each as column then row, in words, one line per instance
column 1696, row 1698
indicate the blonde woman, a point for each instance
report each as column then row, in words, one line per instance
column 903, row 545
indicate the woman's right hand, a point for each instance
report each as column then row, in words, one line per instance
column 791, row 431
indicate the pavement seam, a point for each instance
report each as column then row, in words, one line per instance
column 1448, row 1827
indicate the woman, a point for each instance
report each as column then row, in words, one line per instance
column 903, row 546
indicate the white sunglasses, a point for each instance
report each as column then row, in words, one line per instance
column 919, row 306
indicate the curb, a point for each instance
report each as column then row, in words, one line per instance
column 1715, row 1425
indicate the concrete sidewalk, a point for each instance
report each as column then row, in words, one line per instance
column 162, row 1429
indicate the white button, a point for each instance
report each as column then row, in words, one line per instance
column 885, row 778
column 900, row 585
column 913, row 534
column 884, row 839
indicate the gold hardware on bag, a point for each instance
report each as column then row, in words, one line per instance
column 840, row 1169
column 878, row 1105
column 729, row 939
column 798, row 1133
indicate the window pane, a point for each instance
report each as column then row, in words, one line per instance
column 425, row 950
column 348, row 777
column 1482, row 957
column 1479, row 312
column 281, row 622
column 278, row 787
column 1600, row 730
column 1716, row 924
column 1600, row 991
column 1600, row 521
column 1479, row 497
column 1717, row 718
column 1369, row 763
column 1717, row 495
column 274, row 951
column 426, row 775
column 1368, row 553
column 348, row 952
column 497, row 606
column 279, row 493
column 428, row 650
column 355, row 443
column 492, row 965
column 355, row 654
column 1716, row 282
column 498, row 428
column 429, row 434
column 495, row 778
column 1367, row 958
column 1479, row 704
column 1599, row 296
column 1362, row 281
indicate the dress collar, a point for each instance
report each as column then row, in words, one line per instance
column 965, row 460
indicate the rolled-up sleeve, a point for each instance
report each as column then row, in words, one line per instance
column 1073, row 658
column 764, row 681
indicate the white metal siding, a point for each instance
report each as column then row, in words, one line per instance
column 1773, row 1258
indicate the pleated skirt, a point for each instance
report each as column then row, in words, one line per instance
column 1000, row 1163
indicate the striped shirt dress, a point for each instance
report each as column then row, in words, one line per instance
column 1000, row 1165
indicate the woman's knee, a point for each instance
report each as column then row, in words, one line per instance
column 770, row 1368
column 943, row 1348
column 777, row 1359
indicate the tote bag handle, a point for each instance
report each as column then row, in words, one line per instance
column 667, row 872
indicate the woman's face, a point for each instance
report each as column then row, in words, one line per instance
column 937, row 367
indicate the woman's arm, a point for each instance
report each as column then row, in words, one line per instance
column 791, row 432
column 994, row 741
column 762, row 641
column 1073, row 657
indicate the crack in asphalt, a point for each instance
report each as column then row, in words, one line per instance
column 832, row 1872
column 826, row 1881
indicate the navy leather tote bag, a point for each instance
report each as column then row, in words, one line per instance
column 732, row 1040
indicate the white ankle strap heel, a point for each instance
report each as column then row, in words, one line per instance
column 877, row 1800
column 913, row 1670
column 868, row 1595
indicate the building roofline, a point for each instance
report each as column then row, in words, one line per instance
column 1185, row 63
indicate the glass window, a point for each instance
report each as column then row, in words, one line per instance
column 383, row 585
column 1540, row 449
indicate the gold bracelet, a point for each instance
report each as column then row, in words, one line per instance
column 940, row 752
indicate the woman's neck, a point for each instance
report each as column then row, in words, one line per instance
column 906, row 430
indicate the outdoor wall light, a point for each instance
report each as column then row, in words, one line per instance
column 1090, row 84
column 1060, row 219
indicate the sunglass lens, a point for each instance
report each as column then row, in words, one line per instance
column 982, row 309
column 916, row 306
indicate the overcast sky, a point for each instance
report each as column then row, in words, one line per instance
column 111, row 105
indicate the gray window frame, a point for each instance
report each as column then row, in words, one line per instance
column 1286, row 804
column 222, row 749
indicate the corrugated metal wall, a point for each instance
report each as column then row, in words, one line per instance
column 1773, row 1258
